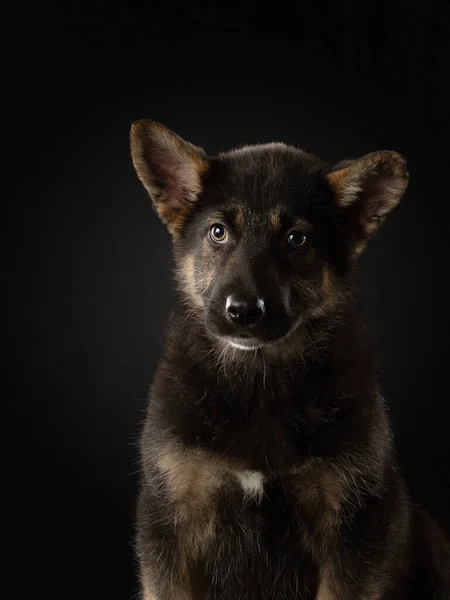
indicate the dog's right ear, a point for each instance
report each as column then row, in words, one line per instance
column 170, row 169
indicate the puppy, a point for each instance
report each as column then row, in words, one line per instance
column 268, row 466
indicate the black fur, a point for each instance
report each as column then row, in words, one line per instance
column 304, row 408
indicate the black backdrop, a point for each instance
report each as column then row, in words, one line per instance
column 88, row 263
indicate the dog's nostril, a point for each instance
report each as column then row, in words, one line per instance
column 234, row 311
column 245, row 312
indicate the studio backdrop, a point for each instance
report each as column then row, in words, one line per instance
column 88, row 263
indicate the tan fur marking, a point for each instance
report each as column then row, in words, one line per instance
column 326, row 585
column 329, row 294
column 239, row 219
column 205, row 279
column 169, row 168
column 194, row 279
column 205, row 246
column 274, row 222
column 359, row 247
column 174, row 220
column 348, row 181
column 381, row 179
column 327, row 288
column 321, row 488
column 191, row 474
column 186, row 278
column 206, row 272
column 193, row 478
column 330, row 588
column 344, row 186
column 176, row 592
column 214, row 218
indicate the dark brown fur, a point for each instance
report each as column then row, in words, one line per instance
column 269, row 470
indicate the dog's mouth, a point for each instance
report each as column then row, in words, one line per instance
column 245, row 341
column 273, row 329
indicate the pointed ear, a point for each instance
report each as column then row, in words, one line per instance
column 169, row 168
column 366, row 190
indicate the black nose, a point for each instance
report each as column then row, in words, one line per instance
column 246, row 312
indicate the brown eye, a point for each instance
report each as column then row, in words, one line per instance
column 297, row 239
column 218, row 233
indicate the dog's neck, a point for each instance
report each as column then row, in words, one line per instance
column 221, row 399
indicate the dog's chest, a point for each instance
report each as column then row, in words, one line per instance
column 256, row 552
column 252, row 483
column 264, row 426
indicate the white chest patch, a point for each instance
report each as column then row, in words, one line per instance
column 252, row 483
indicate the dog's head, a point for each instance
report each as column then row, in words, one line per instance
column 264, row 236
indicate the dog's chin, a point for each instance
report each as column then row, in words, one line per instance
column 243, row 343
column 246, row 342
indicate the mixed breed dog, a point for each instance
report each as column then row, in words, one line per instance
column 268, row 466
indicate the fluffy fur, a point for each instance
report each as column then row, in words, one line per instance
column 268, row 466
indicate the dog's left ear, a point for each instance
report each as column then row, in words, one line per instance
column 366, row 190
column 170, row 169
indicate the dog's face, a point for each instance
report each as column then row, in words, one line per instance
column 264, row 236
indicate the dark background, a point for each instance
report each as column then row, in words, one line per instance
column 87, row 262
